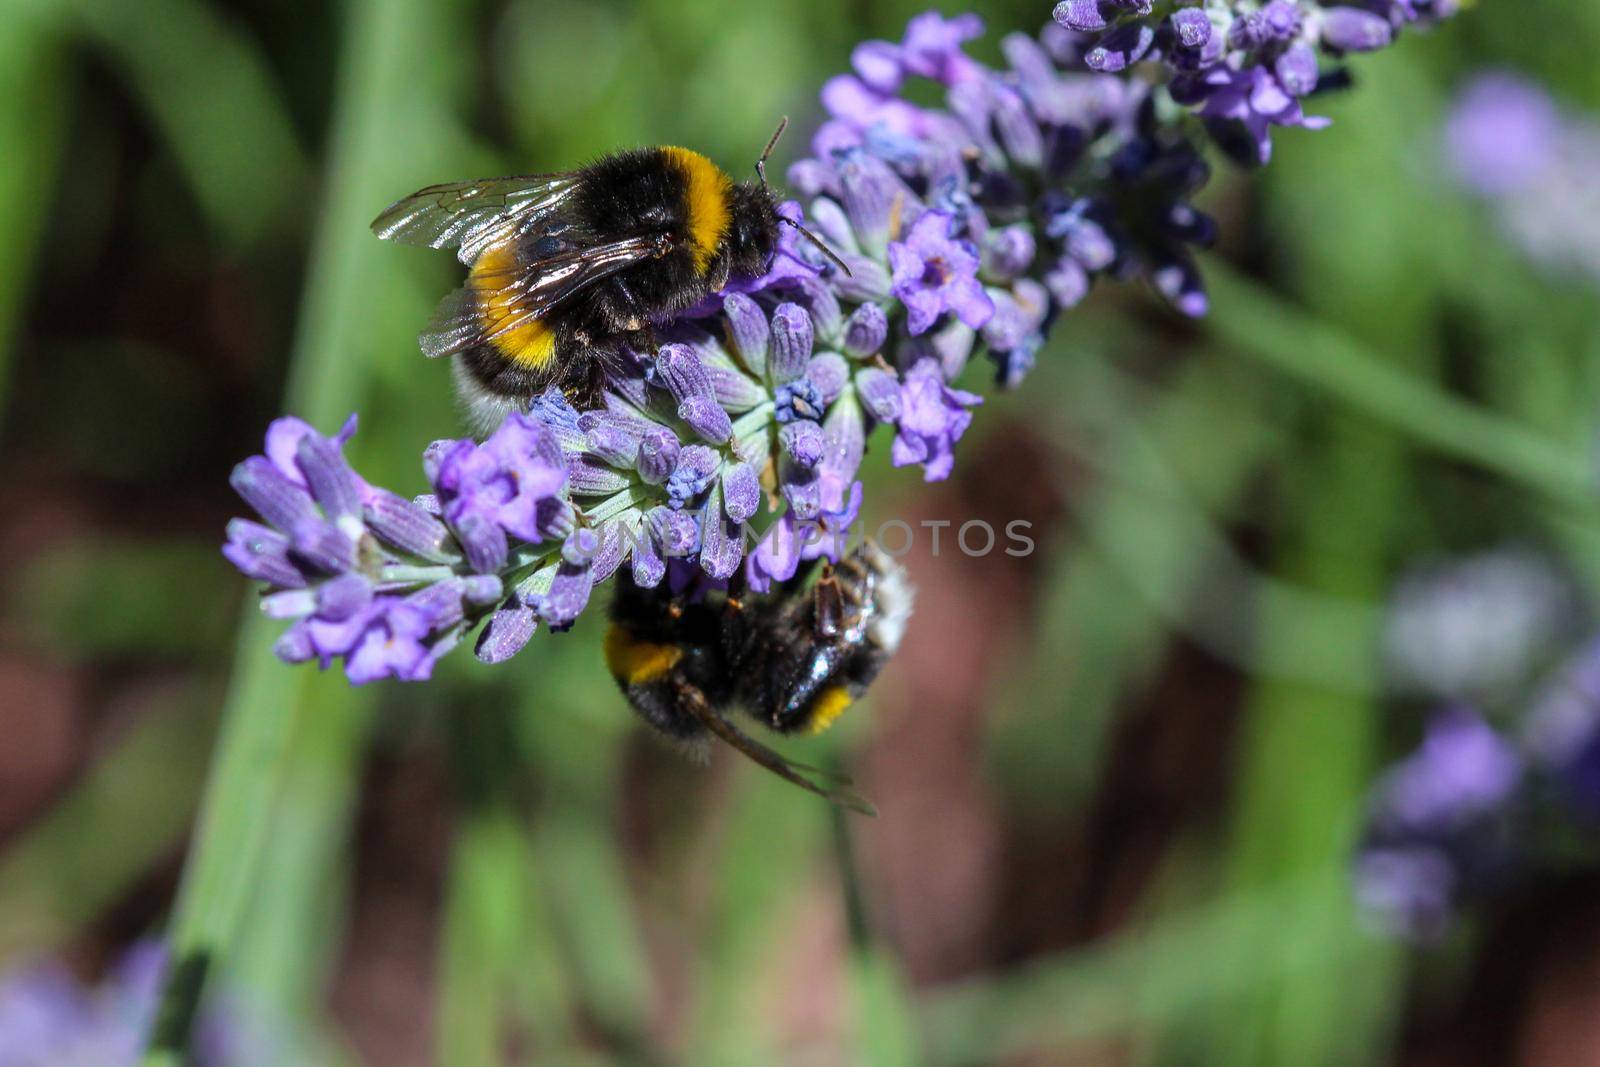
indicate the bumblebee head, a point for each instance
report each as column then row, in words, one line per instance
column 753, row 229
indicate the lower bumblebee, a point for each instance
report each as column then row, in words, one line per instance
column 794, row 659
column 564, row 269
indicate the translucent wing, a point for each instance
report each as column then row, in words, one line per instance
column 471, row 216
column 504, row 293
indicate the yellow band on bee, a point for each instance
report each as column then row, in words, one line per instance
column 829, row 705
column 636, row 662
column 710, row 212
column 530, row 344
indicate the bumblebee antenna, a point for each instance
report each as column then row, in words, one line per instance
column 761, row 172
column 766, row 153
column 814, row 239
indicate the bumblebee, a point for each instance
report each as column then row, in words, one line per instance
column 793, row 660
column 565, row 269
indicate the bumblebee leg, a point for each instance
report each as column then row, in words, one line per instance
column 643, row 340
column 693, row 701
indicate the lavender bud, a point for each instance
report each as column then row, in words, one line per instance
column 277, row 499
column 803, row 491
column 697, row 466
column 802, row 442
column 568, row 596
column 1068, row 283
column 658, row 455
column 707, row 418
column 845, row 437
column 741, row 491
column 505, row 634
column 439, row 606
column 747, row 331
column 826, row 315
column 866, row 331
column 481, row 590
column 1120, row 49
column 880, row 393
column 295, row 646
column 867, row 282
column 791, row 342
column 1007, row 252
column 1352, row 29
column 1019, row 134
column 1085, row 16
column 333, row 483
column 261, row 553
column 811, row 177
column 681, row 371
column 613, row 438
column 484, row 542
column 733, row 390
column 323, row 546
column 870, row 190
column 877, row 63
column 648, row 566
column 587, row 476
column 677, row 531
column 1180, row 283
column 1192, row 28
column 344, row 596
column 829, row 372
column 433, row 457
column 721, row 547
column 613, row 544
column 1297, row 69
column 830, row 221
column 408, row 527
column 289, row 604
column 581, row 546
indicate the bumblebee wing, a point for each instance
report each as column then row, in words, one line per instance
column 766, row 757
column 471, row 216
column 504, row 293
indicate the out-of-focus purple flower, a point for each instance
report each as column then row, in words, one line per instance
column 1408, row 891
column 1256, row 100
column 1439, row 826
column 1510, row 143
column 1503, row 135
column 1475, row 628
column 935, row 273
column 933, row 416
column 49, row 1019
column 1463, row 770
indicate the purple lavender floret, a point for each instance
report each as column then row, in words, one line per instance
column 390, row 585
column 1244, row 65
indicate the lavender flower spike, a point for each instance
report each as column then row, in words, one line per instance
column 956, row 230
column 384, row 583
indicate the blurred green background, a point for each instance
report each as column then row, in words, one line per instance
column 1119, row 778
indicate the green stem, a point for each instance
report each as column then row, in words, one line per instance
column 1264, row 327
column 330, row 371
